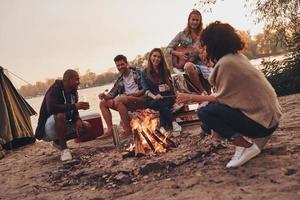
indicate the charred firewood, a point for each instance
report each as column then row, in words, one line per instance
column 148, row 141
column 139, row 149
column 157, row 139
column 169, row 141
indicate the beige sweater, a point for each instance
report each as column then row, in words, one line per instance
column 240, row 85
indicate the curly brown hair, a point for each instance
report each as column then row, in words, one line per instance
column 220, row 39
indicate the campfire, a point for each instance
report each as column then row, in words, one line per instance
column 148, row 139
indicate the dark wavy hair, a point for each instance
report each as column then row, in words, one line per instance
column 164, row 72
column 220, row 39
column 120, row 57
column 187, row 29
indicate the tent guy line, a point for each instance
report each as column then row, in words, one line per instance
column 17, row 76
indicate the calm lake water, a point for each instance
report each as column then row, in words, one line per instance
column 91, row 94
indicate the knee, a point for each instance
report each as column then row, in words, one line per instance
column 189, row 67
column 103, row 104
column 60, row 117
column 203, row 113
column 209, row 110
column 119, row 100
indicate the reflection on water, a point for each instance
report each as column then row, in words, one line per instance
column 257, row 62
column 90, row 94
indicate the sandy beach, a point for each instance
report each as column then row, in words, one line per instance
column 194, row 170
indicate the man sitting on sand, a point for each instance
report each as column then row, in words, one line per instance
column 59, row 119
column 126, row 95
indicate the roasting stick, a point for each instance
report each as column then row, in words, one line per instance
column 169, row 96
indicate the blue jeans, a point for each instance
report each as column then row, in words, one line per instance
column 229, row 122
column 164, row 107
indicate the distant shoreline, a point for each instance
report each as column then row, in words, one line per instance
column 255, row 62
column 78, row 89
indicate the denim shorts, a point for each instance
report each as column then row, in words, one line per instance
column 50, row 132
column 204, row 70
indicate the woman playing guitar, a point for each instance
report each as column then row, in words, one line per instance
column 185, row 49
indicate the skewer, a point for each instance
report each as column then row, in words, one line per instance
column 169, row 96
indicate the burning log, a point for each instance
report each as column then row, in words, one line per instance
column 157, row 139
column 147, row 139
column 168, row 140
column 144, row 115
column 138, row 147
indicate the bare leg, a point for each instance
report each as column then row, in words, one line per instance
column 190, row 70
column 105, row 105
column 60, row 128
column 120, row 104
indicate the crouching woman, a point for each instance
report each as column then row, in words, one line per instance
column 244, row 102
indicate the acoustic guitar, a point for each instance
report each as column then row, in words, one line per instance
column 190, row 52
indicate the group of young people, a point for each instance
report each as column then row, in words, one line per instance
column 241, row 102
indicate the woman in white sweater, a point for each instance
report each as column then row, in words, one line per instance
column 243, row 103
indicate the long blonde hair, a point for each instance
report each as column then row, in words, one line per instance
column 187, row 29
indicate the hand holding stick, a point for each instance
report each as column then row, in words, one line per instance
column 183, row 98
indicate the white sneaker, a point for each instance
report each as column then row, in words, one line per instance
column 237, row 154
column 247, row 154
column 176, row 126
column 162, row 130
column 176, row 129
column 65, row 155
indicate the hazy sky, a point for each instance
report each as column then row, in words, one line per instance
column 40, row 39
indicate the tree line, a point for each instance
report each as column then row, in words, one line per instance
column 89, row 79
column 258, row 46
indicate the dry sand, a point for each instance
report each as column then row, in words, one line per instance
column 194, row 170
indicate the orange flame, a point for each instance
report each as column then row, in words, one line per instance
column 145, row 125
